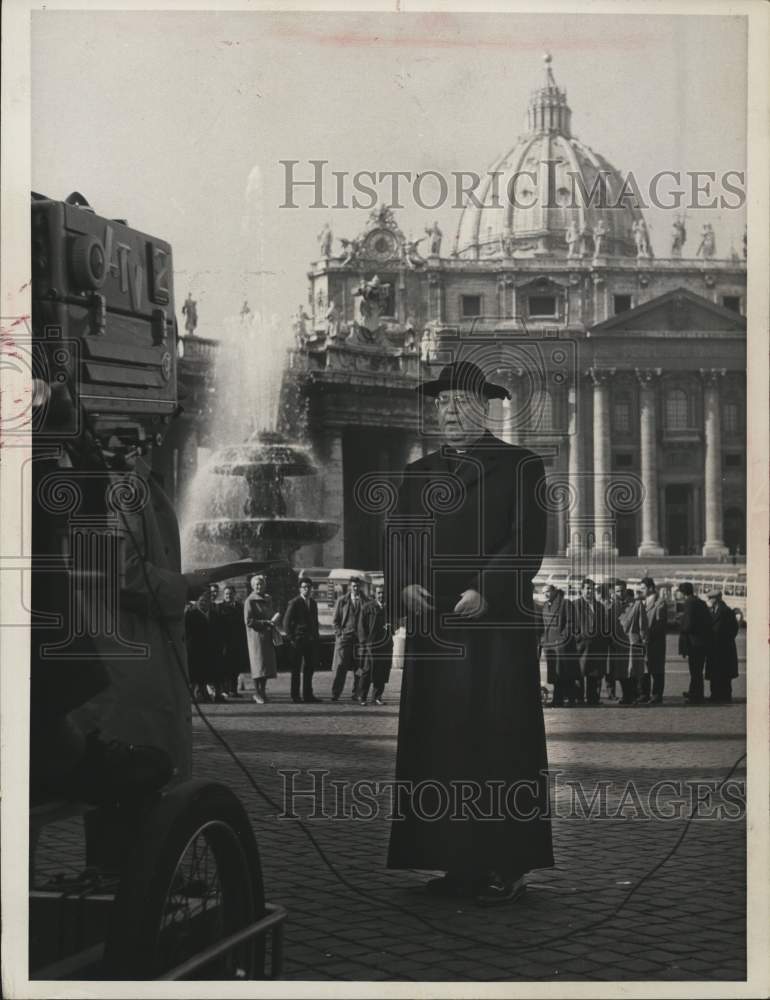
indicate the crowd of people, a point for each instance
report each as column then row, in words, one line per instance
column 609, row 642
column 612, row 637
column 229, row 639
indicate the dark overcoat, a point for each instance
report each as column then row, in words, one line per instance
column 657, row 623
column 376, row 642
column 235, row 649
column 203, row 635
column 590, row 627
column 722, row 655
column 556, row 639
column 470, row 697
column 695, row 633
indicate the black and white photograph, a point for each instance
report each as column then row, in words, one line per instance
column 384, row 427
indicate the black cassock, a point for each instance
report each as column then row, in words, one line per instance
column 471, row 717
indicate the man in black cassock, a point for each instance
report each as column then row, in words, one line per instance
column 464, row 541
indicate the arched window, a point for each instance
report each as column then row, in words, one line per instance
column 677, row 410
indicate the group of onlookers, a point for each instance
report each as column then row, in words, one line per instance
column 363, row 643
column 217, row 651
column 617, row 637
column 229, row 638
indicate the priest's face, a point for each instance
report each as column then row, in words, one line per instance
column 462, row 417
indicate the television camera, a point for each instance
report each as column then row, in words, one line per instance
column 173, row 886
column 103, row 322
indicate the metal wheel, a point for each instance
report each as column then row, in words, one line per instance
column 193, row 880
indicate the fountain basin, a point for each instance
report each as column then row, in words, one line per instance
column 272, row 535
column 264, row 455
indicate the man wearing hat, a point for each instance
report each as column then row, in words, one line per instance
column 722, row 656
column 464, row 541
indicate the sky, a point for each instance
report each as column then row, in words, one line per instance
column 178, row 122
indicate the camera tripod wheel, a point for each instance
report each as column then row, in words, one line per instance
column 192, row 880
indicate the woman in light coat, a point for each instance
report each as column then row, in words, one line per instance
column 260, row 621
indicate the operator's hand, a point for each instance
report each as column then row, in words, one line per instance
column 471, row 604
column 417, row 599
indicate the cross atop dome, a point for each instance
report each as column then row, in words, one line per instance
column 548, row 109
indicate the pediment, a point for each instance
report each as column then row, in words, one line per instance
column 679, row 309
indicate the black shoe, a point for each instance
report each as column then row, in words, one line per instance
column 378, row 701
column 312, row 700
column 296, row 699
column 335, row 697
column 499, row 891
column 111, row 772
column 362, row 701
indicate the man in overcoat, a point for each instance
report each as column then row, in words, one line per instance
column 591, row 632
column 557, row 644
column 463, row 542
column 347, row 650
column 300, row 623
column 654, row 680
column 695, row 636
column 617, row 644
column 376, row 638
column 722, row 656
column 203, row 635
column 235, row 650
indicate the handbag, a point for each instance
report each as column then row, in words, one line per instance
column 278, row 639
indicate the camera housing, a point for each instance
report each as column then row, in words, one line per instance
column 107, row 288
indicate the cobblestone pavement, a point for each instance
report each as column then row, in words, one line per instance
column 351, row 919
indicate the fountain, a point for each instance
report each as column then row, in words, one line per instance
column 263, row 531
column 251, row 505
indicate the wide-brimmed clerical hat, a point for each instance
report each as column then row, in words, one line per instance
column 463, row 376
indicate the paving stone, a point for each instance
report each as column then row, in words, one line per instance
column 686, row 921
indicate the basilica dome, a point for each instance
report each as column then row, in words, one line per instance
column 547, row 193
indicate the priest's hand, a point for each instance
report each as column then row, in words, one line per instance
column 417, row 600
column 471, row 604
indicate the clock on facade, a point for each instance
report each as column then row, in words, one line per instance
column 381, row 245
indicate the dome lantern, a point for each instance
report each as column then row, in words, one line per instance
column 548, row 109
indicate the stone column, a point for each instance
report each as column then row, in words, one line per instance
column 435, row 297
column 713, row 546
column 603, row 516
column 650, row 544
column 576, row 475
column 332, row 552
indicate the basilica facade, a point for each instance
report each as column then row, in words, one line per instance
column 627, row 372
